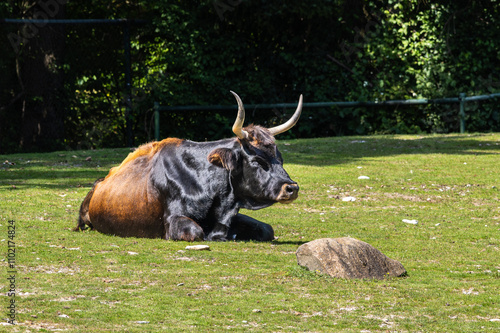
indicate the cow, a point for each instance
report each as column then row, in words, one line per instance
column 192, row 191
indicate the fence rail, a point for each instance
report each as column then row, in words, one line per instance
column 461, row 99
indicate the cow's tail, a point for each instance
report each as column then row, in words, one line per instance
column 84, row 217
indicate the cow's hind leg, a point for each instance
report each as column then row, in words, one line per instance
column 183, row 228
column 246, row 228
column 84, row 218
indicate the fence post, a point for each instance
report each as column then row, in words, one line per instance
column 461, row 113
column 157, row 121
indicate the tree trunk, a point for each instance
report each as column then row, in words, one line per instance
column 41, row 76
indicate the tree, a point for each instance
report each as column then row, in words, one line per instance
column 39, row 49
column 194, row 52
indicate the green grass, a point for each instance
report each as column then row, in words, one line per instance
column 90, row 282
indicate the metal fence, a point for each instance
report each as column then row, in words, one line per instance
column 462, row 99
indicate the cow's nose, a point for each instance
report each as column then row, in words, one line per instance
column 292, row 189
column 288, row 193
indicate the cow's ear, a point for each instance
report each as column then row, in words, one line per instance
column 223, row 157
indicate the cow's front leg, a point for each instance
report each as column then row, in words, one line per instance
column 246, row 228
column 218, row 233
column 183, row 228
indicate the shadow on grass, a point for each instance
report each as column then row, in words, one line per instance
column 26, row 178
column 58, row 169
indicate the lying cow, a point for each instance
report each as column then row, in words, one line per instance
column 184, row 190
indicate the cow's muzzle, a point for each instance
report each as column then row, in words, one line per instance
column 288, row 193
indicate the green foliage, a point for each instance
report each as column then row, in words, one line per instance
column 96, row 103
column 419, row 50
column 193, row 53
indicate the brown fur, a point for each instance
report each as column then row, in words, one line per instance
column 124, row 191
column 125, row 196
column 259, row 136
column 149, row 149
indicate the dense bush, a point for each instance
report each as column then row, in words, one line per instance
column 193, row 53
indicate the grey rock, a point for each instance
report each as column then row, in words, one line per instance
column 347, row 258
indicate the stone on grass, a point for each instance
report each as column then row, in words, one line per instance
column 347, row 258
column 198, row 247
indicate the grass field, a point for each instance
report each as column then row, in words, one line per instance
column 90, row 282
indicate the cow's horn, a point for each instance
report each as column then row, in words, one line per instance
column 290, row 123
column 240, row 119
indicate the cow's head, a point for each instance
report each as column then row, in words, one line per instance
column 255, row 164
